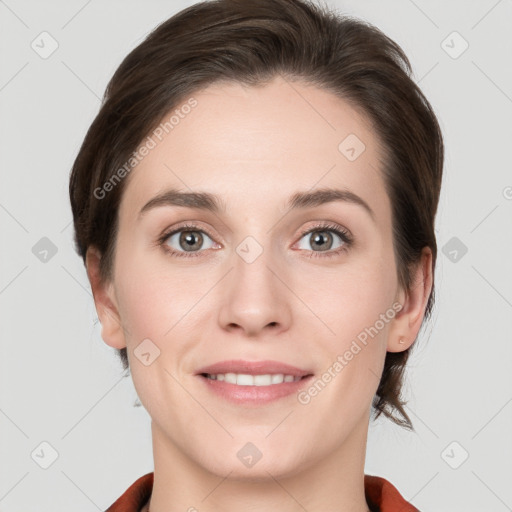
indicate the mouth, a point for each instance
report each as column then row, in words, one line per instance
column 247, row 369
column 253, row 383
column 247, row 379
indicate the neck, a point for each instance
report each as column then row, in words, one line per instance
column 334, row 481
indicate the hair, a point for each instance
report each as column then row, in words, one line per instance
column 250, row 42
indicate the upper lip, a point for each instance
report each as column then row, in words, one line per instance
column 253, row 368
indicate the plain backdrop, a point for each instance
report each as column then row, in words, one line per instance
column 70, row 435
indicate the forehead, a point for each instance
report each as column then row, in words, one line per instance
column 245, row 143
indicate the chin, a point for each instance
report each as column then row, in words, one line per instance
column 263, row 466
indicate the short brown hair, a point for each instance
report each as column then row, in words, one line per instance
column 250, row 42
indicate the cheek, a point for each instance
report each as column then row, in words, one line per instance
column 157, row 303
column 358, row 312
column 349, row 299
column 153, row 303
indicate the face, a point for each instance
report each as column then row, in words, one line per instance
column 245, row 282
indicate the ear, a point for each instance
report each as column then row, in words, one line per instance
column 105, row 301
column 407, row 321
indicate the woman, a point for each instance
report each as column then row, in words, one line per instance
column 255, row 206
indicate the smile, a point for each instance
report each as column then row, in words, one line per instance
column 242, row 389
column 244, row 379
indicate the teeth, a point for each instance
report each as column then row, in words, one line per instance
column 242, row 379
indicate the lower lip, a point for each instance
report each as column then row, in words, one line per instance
column 254, row 395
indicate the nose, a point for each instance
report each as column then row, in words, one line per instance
column 255, row 299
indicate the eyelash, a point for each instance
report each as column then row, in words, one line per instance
column 338, row 230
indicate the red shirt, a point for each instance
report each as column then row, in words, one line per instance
column 381, row 496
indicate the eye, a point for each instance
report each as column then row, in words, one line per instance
column 321, row 237
column 185, row 241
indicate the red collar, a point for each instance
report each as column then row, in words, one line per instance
column 381, row 495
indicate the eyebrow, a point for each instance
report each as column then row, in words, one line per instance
column 211, row 202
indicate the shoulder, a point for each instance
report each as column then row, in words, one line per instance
column 135, row 497
column 383, row 496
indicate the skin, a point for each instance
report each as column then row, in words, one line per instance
column 255, row 147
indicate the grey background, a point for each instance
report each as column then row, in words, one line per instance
column 61, row 384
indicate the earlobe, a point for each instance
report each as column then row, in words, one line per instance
column 105, row 301
column 408, row 320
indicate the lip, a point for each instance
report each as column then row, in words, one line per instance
column 253, row 368
column 253, row 395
